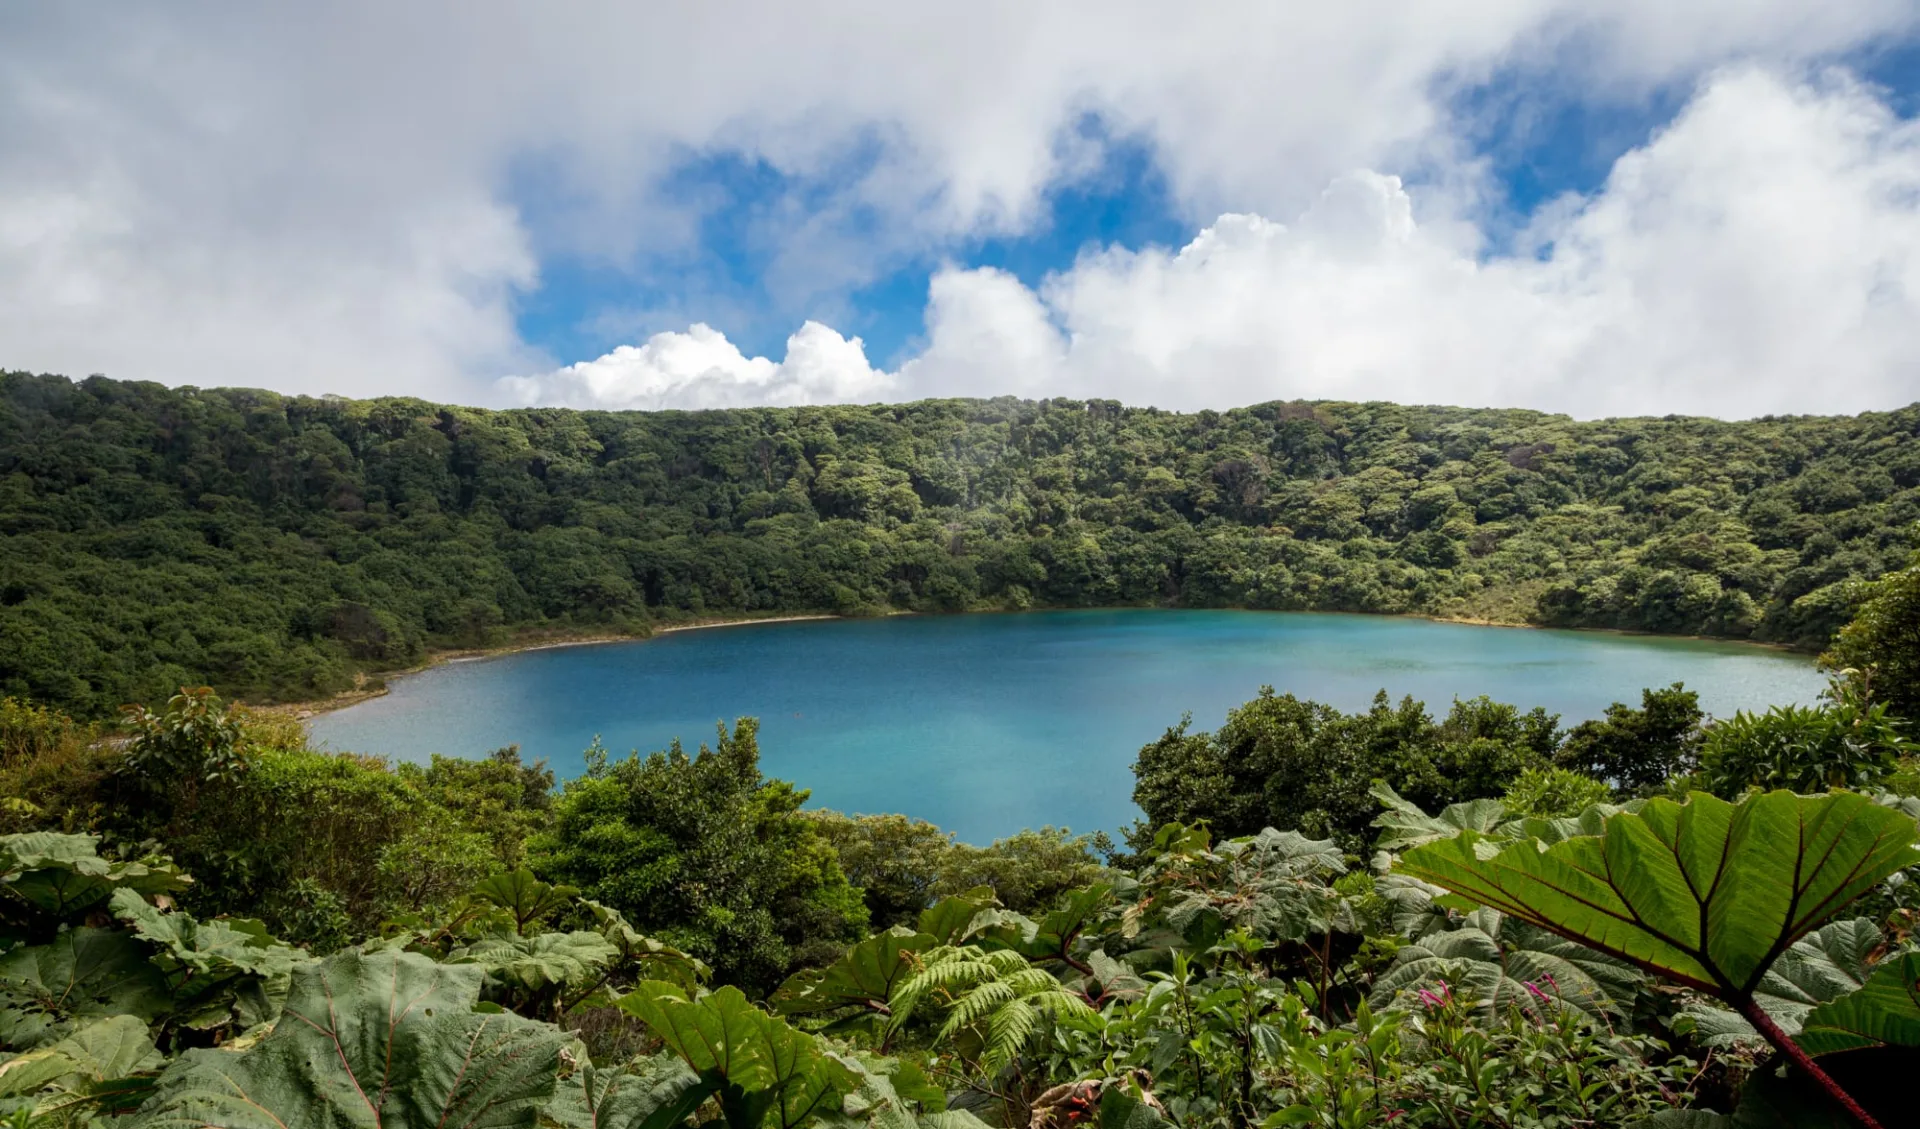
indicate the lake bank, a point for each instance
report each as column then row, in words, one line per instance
column 543, row 642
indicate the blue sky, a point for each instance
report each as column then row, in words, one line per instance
column 1538, row 139
column 459, row 200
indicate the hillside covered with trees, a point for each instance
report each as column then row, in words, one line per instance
column 275, row 546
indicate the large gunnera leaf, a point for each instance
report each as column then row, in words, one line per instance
column 83, row 974
column 1885, row 1012
column 386, row 1040
column 1826, row 964
column 217, row 972
column 864, row 978
column 653, row 1093
column 1502, row 964
column 764, row 1072
column 63, row 876
column 1706, row 893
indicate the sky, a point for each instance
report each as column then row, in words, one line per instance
column 1626, row 208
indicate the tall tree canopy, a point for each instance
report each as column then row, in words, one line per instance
column 275, row 546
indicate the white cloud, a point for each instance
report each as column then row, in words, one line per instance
column 317, row 198
column 1761, row 255
column 702, row 369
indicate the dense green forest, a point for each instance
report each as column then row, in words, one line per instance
column 275, row 547
column 1383, row 918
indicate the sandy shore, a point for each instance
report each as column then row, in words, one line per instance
column 340, row 701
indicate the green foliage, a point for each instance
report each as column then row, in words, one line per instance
column 993, row 1001
column 1883, row 1012
column 1705, row 893
column 1494, row 965
column 709, row 856
column 28, row 730
column 194, row 739
column 1279, row 761
column 1841, row 743
column 1553, row 793
column 864, row 980
column 49, row 880
column 1881, row 646
column 1529, row 1068
column 763, row 1072
column 1821, row 967
column 222, row 975
column 388, row 1039
column 1638, row 749
column 904, row 865
column 84, row 974
column 276, row 547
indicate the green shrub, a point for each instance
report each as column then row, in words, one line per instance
column 1553, row 793
column 1841, row 743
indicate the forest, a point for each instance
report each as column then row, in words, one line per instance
column 282, row 548
column 1394, row 917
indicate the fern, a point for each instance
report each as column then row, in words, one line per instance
column 994, row 994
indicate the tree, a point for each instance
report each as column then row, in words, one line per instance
column 1280, row 761
column 708, row 855
column 1882, row 644
column 1638, row 749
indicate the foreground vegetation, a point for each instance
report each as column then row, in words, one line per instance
column 278, row 548
column 1655, row 918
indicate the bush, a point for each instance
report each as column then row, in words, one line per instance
column 1554, row 793
column 706, row 854
column 1842, row 743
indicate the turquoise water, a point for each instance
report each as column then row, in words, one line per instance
column 986, row 724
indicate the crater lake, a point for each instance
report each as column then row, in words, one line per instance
column 987, row 724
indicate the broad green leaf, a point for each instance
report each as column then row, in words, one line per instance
column 950, row 920
column 111, row 1047
column 64, row 874
column 525, row 897
column 84, row 1067
column 1052, row 937
column 1822, row 966
column 1885, row 1012
column 653, row 1093
column 542, row 960
column 1120, row 1109
column 766, row 1072
column 1706, row 893
column 864, row 977
column 83, row 974
column 1414, row 914
column 385, row 1040
column 1501, row 964
column 1405, row 825
column 659, row 960
column 218, row 972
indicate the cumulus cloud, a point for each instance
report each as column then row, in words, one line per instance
column 333, row 198
column 702, row 369
column 1761, row 255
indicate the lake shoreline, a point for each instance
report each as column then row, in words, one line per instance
column 307, row 710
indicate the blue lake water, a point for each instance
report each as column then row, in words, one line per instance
column 986, row 724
